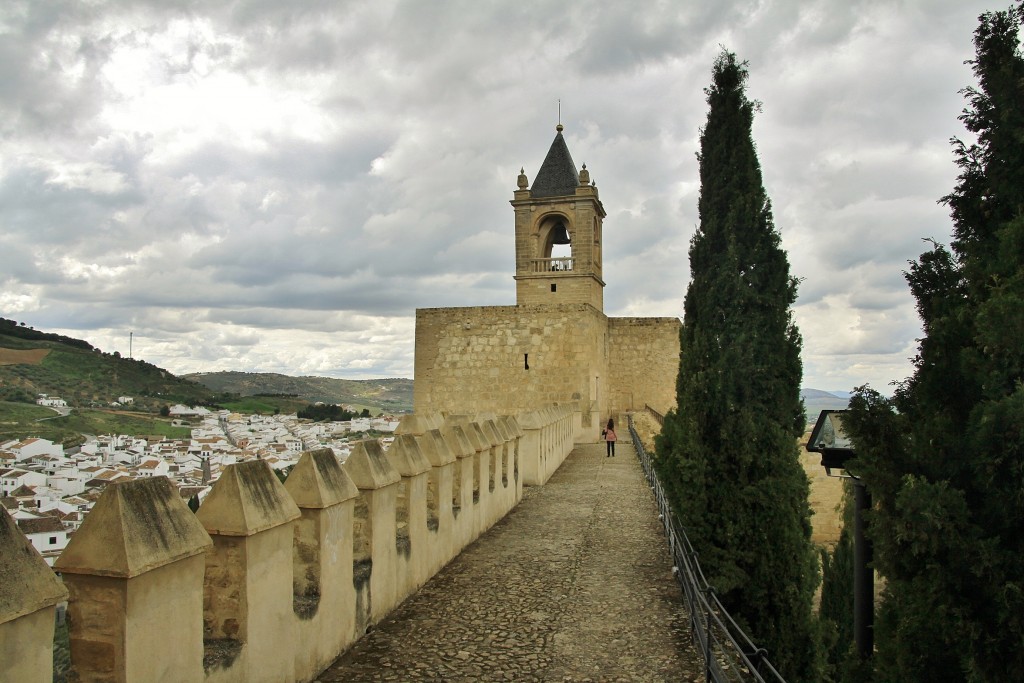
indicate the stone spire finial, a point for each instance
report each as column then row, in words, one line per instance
column 559, row 128
column 522, row 182
column 584, row 175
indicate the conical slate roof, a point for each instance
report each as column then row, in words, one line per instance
column 557, row 176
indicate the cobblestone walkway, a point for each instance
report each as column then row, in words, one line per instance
column 573, row 585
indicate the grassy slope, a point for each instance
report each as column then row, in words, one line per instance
column 21, row 420
column 81, row 376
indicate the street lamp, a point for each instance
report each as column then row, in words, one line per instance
column 830, row 440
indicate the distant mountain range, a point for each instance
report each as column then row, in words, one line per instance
column 816, row 400
column 389, row 395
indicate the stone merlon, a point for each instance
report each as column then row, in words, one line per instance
column 136, row 526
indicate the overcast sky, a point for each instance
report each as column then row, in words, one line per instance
column 276, row 186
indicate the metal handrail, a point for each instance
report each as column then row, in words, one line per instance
column 728, row 653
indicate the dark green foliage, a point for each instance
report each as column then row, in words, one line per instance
column 16, row 395
column 282, row 474
column 944, row 458
column 322, row 412
column 193, row 503
column 836, row 610
column 13, row 329
column 728, row 454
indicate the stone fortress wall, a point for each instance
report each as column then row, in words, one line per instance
column 643, row 363
column 504, row 358
column 268, row 582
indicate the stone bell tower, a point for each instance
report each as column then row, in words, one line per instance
column 562, row 208
column 556, row 346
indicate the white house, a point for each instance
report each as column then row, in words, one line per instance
column 151, row 467
column 47, row 535
column 68, row 484
column 28, row 448
column 52, row 402
column 185, row 411
column 15, row 478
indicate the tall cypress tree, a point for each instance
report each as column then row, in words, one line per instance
column 944, row 458
column 728, row 453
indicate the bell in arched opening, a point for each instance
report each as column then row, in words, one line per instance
column 561, row 235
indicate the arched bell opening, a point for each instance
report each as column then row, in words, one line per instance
column 557, row 241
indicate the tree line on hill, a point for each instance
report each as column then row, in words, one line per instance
column 330, row 412
column 22, row 331
column 943, row 458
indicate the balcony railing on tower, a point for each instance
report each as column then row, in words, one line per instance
column 551, row 265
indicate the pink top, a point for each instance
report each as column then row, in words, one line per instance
column 610, row 435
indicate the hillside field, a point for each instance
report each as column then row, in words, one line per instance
column 23, row 420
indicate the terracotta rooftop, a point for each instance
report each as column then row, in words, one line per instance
column 40, row 525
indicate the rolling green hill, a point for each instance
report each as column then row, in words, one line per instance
column 389, row 395
column 33, row 362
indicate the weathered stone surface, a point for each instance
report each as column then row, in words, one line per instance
column 247, row 499
column 590, row 597
column 531, row 420
column 436, row 449
column 406, row 457
column 368, row 467
column 457, row 440
column 26, row 583
column 127, row 629
column 501, row 427
column 513, row 424
column 574, row 353
column 490, row 432
column 136, row 526
column 419, row 423
column 318, row 481
column 477, row 437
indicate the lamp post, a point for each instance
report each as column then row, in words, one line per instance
column 835, row 447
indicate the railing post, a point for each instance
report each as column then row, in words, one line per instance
column 28, row 593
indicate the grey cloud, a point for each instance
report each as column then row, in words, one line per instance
column 400, row 198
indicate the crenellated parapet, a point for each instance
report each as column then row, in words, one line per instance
column 269, row 582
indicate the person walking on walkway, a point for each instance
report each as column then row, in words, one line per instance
column 609, row 437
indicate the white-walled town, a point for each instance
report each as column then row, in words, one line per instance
column 49, row 489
